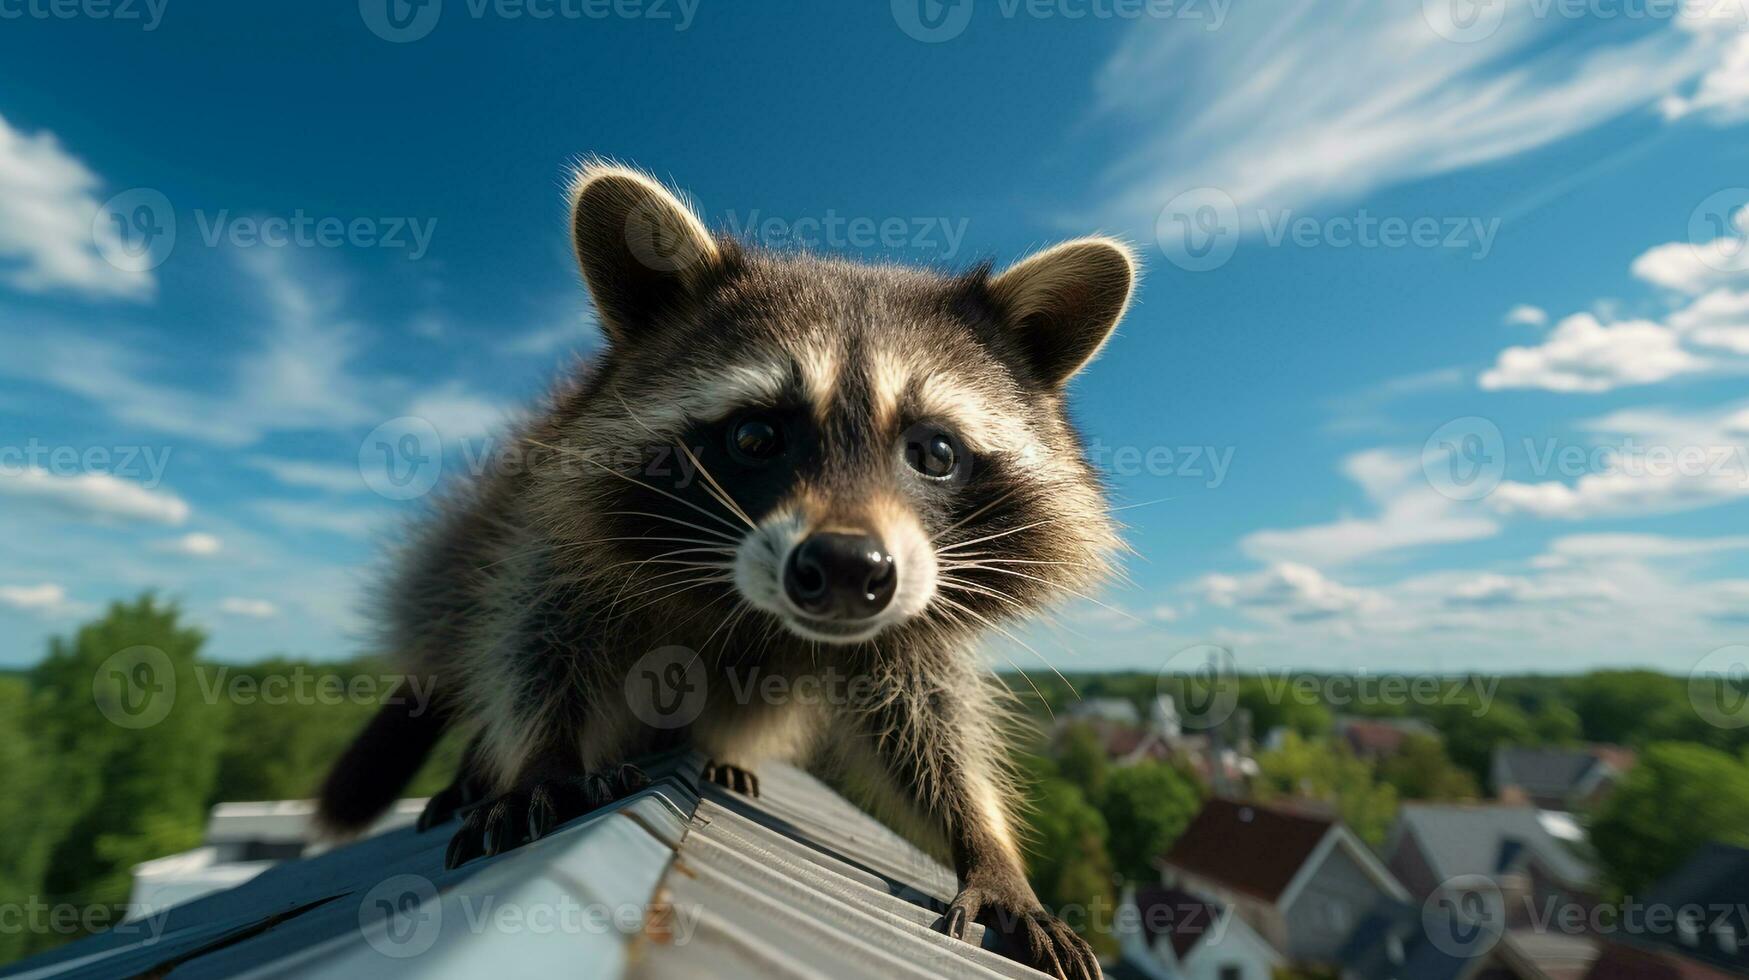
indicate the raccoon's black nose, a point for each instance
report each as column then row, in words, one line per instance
column 840, row 576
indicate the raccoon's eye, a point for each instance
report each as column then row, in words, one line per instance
column 755, row 439
column 933, row 454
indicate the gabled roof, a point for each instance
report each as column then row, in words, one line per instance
column 1557, row 772
column 1176, row 914
column 677, row 881
column 1487, row 839
column 1715, row 878
column 1252, row 848
column 1391, row 943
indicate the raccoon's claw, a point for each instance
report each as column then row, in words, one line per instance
column 520, row 816
column 733, row 778
column 1032, row 936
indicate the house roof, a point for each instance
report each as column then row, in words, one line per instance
column 1620, row 961
column 1180, row 916
column 680, row 880
column 1487, row 839
column 1555, row 772
column 1253, row 848
column 1715, row 877
column 1392, row 942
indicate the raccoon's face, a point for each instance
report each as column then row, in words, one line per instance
column 844, row 450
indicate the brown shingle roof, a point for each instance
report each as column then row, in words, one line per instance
column 1247, row 846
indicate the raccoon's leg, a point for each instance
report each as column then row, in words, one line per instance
column 939, row 748
column 732, row 778
column 468, row 788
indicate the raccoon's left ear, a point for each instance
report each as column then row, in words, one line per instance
column 1065, row 301
column 642, row 249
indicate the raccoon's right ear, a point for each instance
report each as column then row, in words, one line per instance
column 641, row 248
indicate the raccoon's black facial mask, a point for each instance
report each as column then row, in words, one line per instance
column 875, row 447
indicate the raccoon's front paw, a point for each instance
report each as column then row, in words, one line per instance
column 522, row 815
column 732, row 777
column 1030, row 935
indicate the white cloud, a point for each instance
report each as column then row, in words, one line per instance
column 93, row 496
column 195, row 545
column 1659, row 461
column 1525, row 315
column 1722, row 94
column 1410, row 513
column 332, row 477
column 1695, row 266
column 47, row 599
column 1583, row 355
column 1593, row 547
column 577, row 332
column 1304, row 101
column 248, row 608
column 1717, row 319
column 298, row 375
column 457, row 413
column 47, row 208
column 316, row 516
column 1286, row 590
column 1493, row 590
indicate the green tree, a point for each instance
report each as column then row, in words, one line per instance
column 1556, row 724
column 121, row 708
column 25, row 834
column 1677, row 798
column 1328, row 772
column 1474, row 726
column 1080, row 759
column 1422, row 771
column 1067, row 861
column 1614, row 705
column 1146, row 806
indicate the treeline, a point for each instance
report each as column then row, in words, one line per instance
column 118, row 743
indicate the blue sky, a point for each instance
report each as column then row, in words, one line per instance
column 1438, row 361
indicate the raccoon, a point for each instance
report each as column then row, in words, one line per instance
column 782, row 463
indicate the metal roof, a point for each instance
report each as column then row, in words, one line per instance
column 1468, row 838
column 680, row 880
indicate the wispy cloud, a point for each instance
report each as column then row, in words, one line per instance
column 93, row 496
column 48, row 228
column 47, row 599
column 1410, row 513
column 1301, row 102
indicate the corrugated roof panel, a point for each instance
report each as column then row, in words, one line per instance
column 798, row 883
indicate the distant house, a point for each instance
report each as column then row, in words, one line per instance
column 1380, row 738
column 1515, row 846
column 1303, row 882
column 1393, row 943
column 1121, row 711
column 1711, row 940
column 1556, row 778
column 1534, row 859
column 1182, row 936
